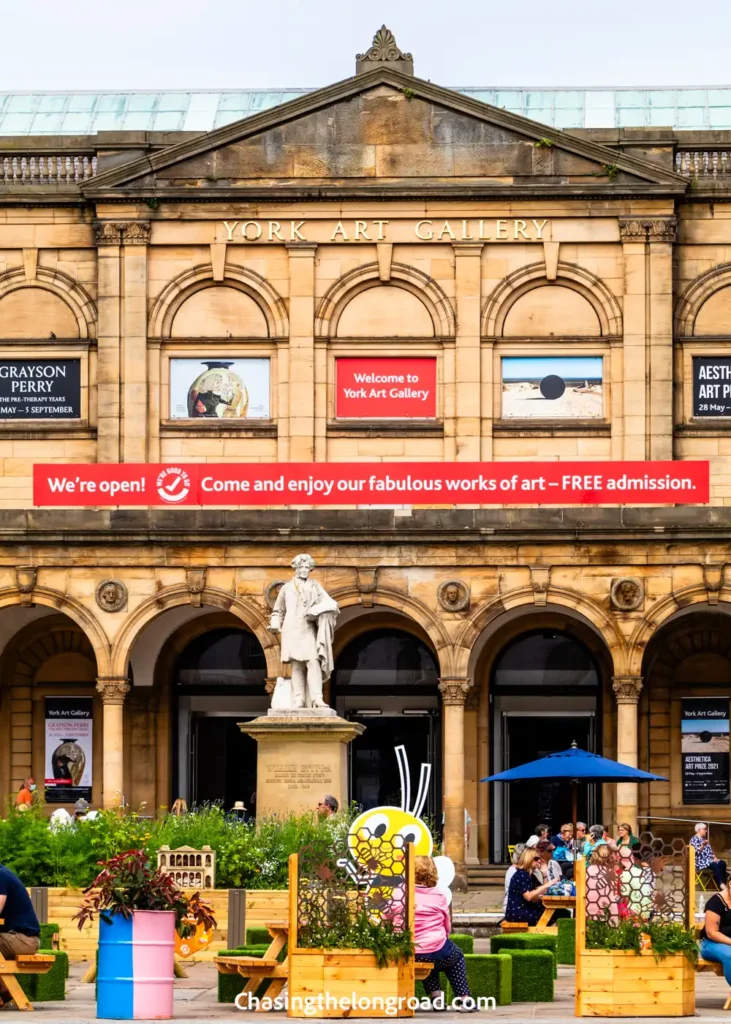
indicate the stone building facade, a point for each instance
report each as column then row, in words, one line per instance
column 380, row 217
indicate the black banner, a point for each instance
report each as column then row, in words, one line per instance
column 68, row 772
column 704, row 724
column 41, row 389
column 712, row 385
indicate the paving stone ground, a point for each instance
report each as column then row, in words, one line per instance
column 195, row 1000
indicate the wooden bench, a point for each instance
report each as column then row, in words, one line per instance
column 34, row 963
column 256, row 968
column 514, row 926
column 422, row 969
column 711, row 967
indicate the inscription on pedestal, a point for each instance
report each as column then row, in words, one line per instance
column 299, row 776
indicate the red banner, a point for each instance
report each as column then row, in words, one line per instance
column 372, row 483
column 385, row 387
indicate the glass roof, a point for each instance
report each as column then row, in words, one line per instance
column 84, row 113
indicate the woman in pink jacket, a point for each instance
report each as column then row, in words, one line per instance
column 432, row 924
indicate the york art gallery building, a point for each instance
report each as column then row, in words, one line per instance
column 383, row 270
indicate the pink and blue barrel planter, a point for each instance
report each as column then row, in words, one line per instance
column 136, row 961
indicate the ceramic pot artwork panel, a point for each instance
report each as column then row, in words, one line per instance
column 218, row 392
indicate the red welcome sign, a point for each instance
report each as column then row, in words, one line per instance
column 385, row 387
column 371, row 483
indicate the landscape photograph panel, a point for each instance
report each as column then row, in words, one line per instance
column 708, row 737
column 552, row 387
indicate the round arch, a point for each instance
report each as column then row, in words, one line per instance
column 519, row 608
column 696, row 295
column 499, row 303
column 175, row 293
column 63, row 287
column 664, row 613
column 173, row 597
column 338, row 296
column 76, row 612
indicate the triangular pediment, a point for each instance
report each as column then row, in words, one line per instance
column 389, row 132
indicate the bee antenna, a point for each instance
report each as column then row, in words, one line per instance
column 403, row 770
column 423, row 790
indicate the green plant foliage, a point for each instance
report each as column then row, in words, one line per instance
column 346, row 930
column 666, row 938
column 49, row 987
column 610, row 170
column 229, row 985
column 488, row 974
column 526, row 940
column 533, row 971
column 247, row 857
column 544, row 144
column 47, row 933
column 464, row 942
column 566, row 944
column 257, row 936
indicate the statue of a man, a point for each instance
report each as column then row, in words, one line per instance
column 305, row 615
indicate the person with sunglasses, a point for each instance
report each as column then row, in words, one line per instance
column 525, row 891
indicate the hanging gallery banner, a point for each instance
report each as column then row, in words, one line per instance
column 48, row 389
column 704, row 744
column 266, row 484
column 385, row 387
column 712, row 385
column 219, row 388
column 68, row 771
column 553, row 387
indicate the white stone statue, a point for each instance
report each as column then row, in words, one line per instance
column 305, row 615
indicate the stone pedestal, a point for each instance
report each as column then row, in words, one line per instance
column 302, row 756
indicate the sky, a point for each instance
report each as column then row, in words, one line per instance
column 191, row 44
column 533, row 368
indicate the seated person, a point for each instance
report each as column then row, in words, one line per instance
column 524, row 892
column 20, row 931
column 432, row 925
column 547, row 869
column 598, row 836
column 562, row 842
column 517, row 851
column 705, row 858
column 716, row 934
column 541, row 832
column 625, row 837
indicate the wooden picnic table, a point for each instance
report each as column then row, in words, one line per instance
column 550, row 904
column 256, row 969
column 32, row 963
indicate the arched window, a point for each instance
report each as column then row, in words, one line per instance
column 549, row 311
column 220, row 660
column 219, row 311
column 36, row 313
column 386, row 658
column 545, row 658
column 385, row 311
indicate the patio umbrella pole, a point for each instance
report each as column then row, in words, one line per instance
column 575, row 815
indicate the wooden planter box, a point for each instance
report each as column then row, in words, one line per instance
column 622, row 983
column 341, row 974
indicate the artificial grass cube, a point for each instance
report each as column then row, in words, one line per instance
column 488, row 974
column 258, row 936
column 533, row 971
column 526, row 940
column 566, row 944
column 464, row 942
column 51, row 986
column 229, row 985
column 48, row 933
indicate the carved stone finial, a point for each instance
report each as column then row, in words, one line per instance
column 627, row 689
column 384, row 53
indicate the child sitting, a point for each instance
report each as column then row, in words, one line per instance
column 431, row 937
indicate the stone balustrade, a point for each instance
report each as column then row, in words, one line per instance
column 706, row 163
column 46, row 170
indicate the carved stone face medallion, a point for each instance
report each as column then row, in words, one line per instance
column 271, row 592
column 454, row 596
column 626, row 594
column 111, row 595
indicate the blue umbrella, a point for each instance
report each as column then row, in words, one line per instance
column 576, row 765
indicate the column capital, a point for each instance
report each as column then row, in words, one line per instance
column 647, row 229
column 122, row 232
column 113, row 689
column 108, row 232
column 137, row 232
column 627, row 689
column 454, row 690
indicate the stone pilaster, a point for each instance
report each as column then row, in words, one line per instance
column 108, row 237
column 467, row 356
column 113, row 690
column 627, row 690
column 301, row 374
column 454, row 691
column 133, row 355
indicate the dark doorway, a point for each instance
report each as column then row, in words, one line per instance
column 374, row 774
column 528, row 737
column 224, row 762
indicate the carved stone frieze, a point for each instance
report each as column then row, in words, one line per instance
column 626, row 594
column 454, row 596
column 384, row 51
column 647, row 229
column 111, row 595
column 113, row 689
column 627, row 689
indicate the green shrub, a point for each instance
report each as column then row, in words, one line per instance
column 48, row 931
column 525, row 940
column 488, row 974
column 566, row 945
column 258, row 936
column 45, row 988
column 229, row 985
column 533, row 971
column 464, row 942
